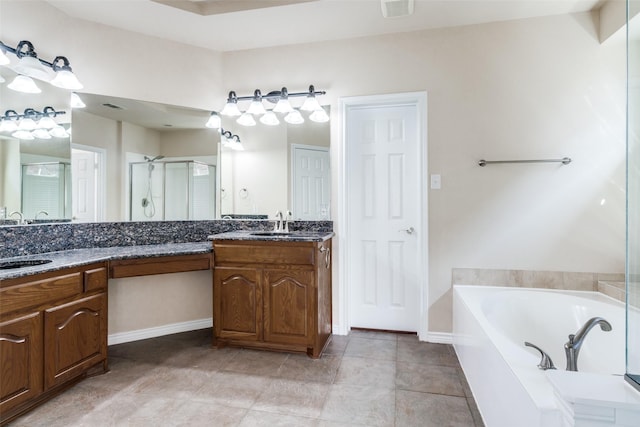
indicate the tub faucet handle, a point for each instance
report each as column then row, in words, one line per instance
column 545, row 361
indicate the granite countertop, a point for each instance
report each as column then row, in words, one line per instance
column 79, row 257
column 294, row 236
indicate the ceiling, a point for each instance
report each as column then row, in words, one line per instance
column 229, row 25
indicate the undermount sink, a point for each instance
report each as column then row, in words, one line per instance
column 24, row 263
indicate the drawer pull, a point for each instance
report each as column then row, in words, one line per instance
column 327, row 256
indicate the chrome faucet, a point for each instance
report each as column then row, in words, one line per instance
column 279, row 226
column 545, row 361
column 41, row 212
column 21, row 221
column 572, row 347
column 286, row 221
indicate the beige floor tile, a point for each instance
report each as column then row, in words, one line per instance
column 336, row 345
column 194, row 413
column 371, row 348
column 303, row 368
column 233, row 389
column 367, row 372
column 373, row 335
column 289, row 397
column 429, row 378
column 256, row 362
column 368, row 406
column 428, row 353
column 431, row 410
column 265, row 419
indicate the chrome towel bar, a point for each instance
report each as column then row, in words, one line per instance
column 564, row 161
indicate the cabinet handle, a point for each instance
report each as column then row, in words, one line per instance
column 327, row 256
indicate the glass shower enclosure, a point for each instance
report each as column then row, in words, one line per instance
column 633, row 195
column 171, row 191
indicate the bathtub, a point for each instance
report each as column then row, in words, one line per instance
column 490, row 325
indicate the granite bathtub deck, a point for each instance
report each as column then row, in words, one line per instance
column 79, row 257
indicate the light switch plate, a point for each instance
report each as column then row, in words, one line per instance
column 436, row 182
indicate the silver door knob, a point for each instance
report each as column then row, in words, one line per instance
column 409, row 230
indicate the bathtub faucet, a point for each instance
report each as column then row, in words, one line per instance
column 572, row 347
column 545, row 361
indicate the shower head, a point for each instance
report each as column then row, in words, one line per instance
column 149, row 159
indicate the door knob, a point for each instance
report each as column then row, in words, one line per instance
column 409, row 230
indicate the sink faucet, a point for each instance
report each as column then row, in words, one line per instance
column 41, row 212
column 286, row 221
column 279, row 226
column 21, row 221
column 572, row 347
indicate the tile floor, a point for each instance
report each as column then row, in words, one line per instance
column 364, row 379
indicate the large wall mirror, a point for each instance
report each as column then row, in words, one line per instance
column 142, row 161
column 35, row 173
column 276, row 168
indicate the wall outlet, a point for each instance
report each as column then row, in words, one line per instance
column 436, row 182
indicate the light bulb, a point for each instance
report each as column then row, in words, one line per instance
column 41, row 134
column 24, row 84
column 270, row 119
column 47, row 123
column 31, row 66
column 65, row 79
column 294, row 118
column 27, row 124
column 4, row 59
column 214, row 121
column 23, row 134
column 76, row 101
column 246, row 120
column 7, row 125
column 230, row 109
column 283, row 106
column 310, row 104
column 58, row 132
column 256, row 107
column 319, row 116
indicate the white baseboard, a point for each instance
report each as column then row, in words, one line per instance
column 158, row 331
column 439, row 337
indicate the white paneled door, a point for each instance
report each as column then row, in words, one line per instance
column 384, row 216
column 310, row 183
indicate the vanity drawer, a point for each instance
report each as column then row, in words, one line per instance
column 95, row 279
column 289, row 253
column 159, row 265
column 35, row 293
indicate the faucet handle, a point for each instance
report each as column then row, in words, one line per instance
column 545, row 361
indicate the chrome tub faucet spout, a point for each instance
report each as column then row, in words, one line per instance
column 572, row 347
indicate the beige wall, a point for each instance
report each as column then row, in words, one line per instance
column 532, row 88
column 535, row 88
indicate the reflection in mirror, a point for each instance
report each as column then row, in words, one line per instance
column 276, row 168
column 35, row 174
column 160, row 159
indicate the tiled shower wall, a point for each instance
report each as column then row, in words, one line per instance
column 611, row 284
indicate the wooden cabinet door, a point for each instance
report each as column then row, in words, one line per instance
column 289, row 301
column 237, row 303
column 20, row 360
column 75, row 338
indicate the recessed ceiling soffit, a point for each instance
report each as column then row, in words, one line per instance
column 218, row 7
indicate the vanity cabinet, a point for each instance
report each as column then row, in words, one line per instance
column 53, row 330
column 272, row 294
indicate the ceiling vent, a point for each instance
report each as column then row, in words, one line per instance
column 396, row 8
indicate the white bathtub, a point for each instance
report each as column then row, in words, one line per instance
column 490, row 325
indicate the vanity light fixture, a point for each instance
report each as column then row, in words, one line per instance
column 282, row 105
column 319, row 116
column 30, row 66
column 33, row 124
column 214, row 121
column 226, row 137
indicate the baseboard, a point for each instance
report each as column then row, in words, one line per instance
column 158, row 331
column 439, row 337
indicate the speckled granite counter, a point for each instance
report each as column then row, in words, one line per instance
column 296, row 236
column 78, row 257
